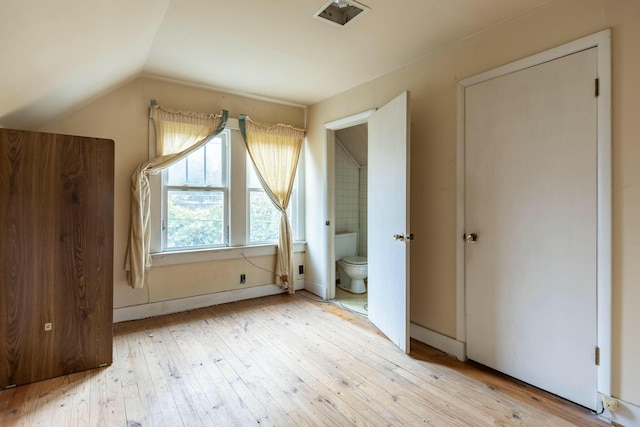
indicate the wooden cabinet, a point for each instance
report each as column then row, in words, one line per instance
column 56, row 255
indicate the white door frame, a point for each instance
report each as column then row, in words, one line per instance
column 601, row 40
column 330, row 127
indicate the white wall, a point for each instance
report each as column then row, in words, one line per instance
column 432, row 82
column 122, row 115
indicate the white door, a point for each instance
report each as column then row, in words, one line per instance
column 530, row 196
column 388, row 215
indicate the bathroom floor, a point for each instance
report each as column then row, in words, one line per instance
column 353, row 302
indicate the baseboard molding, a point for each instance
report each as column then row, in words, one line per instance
column 316, row 289
column 441, row 342
column 628, row 414
column 160, row 308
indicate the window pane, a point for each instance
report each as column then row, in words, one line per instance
column 264, row 218
column 195, row 168
column 195, row 218
column 254, row 182
column 203, row 167
column 214, row 157
column 177, row 173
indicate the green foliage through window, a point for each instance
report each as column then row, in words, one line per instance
column 195, row 218
column 264, row 218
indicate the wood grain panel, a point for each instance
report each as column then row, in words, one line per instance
column 56, row 196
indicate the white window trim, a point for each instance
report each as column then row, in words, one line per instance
column 220, row 254
column 237, row 222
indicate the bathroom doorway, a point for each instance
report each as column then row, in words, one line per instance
column 350, row 217
column 388, row 219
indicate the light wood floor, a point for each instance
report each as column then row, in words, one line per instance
column 281, row 360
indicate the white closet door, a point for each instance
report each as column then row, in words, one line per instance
column 530, row 196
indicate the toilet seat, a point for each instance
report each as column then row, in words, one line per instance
column 355, row 260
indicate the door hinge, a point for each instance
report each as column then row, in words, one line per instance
column 597, row 356
column 597, row 88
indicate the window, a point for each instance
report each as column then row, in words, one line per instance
column 196, row 197
column 263, row 218
column 213, row 199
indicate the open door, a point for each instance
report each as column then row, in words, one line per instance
column 388, row 220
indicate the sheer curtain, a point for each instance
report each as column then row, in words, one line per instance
column 178, row 134
column 274, row 151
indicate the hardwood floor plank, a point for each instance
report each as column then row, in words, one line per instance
column 51, row 401
column 116, row 410
column 284, row 360
column 18, row 405
column 338, row 363
column 181, row 382
column 549, row 405
column 185, row 339
column 251, row 370
column 98, row 404
column 393, row 364
column 135, row 409
column 224, row 399
column 258, row 397
column 80, row 398
column 155, row 375
column 326, row 325
column 139, row 370
column 321, row 372
column 388, row 390
column 299, row 384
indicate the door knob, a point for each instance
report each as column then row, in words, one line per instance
column 398, row 237
column 471, row 237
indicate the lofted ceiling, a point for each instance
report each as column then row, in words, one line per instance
column 59, row 55
column 355, row 139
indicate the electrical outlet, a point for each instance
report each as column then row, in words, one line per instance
column 301, row 269
column 610, row 404
column 243, row 279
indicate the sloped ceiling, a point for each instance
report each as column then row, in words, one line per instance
column 59, row 55
column 355, row 140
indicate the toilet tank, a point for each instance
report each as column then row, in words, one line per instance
column 346, row 245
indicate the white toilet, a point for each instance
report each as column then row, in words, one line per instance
column 352, row 269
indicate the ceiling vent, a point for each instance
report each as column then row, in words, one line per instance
column 340, row 12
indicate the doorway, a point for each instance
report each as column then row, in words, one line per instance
column 350, row 214
column 388, row 222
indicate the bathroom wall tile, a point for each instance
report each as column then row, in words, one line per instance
column 347, row 208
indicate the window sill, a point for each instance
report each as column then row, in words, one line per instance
column 161, row 259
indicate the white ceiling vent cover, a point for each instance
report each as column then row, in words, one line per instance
column 340, row 12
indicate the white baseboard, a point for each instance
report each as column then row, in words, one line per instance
column 441, row 342
column 185, row 304
column 316, row 289
column 628, row 414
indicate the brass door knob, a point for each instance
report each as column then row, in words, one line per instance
column 471, row 237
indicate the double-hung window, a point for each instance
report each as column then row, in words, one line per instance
column 213, row 199
column 196, row 198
